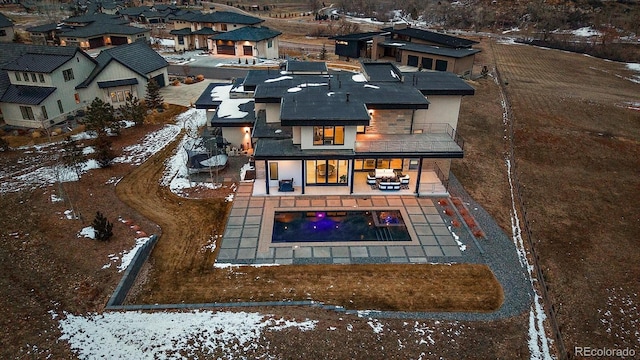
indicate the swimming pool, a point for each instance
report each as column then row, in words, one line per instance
column 339, row 226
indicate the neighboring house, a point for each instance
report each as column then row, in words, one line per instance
column 89, row 32
column 340, row 133
column 38, row 83
column 41, row 85
column 259, row 42
column 423, row 49
column 192, row 30
column 123, row 71
column 6, row 29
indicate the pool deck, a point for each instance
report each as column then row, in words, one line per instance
column 247, row 237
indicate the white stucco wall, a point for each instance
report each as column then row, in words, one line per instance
column 442, row 109
column 288, row 169
column 263, row 51
column 273, row 112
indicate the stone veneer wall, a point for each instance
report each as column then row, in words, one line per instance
column 390, row 122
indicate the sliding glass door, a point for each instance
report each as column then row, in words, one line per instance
column 327, row 172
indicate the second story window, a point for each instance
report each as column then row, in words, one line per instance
column 68, row 74
column 33, row 77
column 328, row 135
column 25, row 76
column 180, row 40
column 41, row 77
column 18, row 78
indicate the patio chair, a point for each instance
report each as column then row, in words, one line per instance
column 285, row 185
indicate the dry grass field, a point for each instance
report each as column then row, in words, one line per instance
column 576, row 147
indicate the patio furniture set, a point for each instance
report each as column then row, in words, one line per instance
column 387, row 179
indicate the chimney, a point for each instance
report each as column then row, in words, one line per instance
column 348, row 97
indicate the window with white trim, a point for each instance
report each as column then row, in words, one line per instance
column 27, row 113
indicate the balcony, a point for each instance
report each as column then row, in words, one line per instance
column 435, row 139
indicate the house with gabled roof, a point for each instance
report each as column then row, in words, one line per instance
column 6, row 29
column 335, row 132
column 254, row 41
column 89, row 32
column 40, row 85
column 124, row 71
column 422, row 49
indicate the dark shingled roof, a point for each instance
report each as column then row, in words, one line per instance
column 262, row 129
column 434, row 37
column 29, row 95
column 101, row 18
column 430, row 49
column 116, row 83
column 133, row 11
column 438, row 83
column 5, row 21
column 246, row 120
column 10, row 52
column 226, row 17
column 95, row 29
column 42, row 63
column 183, row 31
column 43, row 28
column 247, row 33
column 205, row 101
column 205, row 31
column 358, row 36
column 317, row 67
column 137, row 56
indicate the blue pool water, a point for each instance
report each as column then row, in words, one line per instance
column 334, row 226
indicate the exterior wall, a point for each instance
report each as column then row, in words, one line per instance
column 237, row 136
column 287, row 169
column 165, row 75
column 181, row 24
column 8, row 34
column 188, row 43
column 396, row 121
column 273, row 113
column 261, row 172
column 263, row 51
column 113, row 71
column 296, row 134
column 464, row 66
column 443, row 109
column 306, row 137
column 451, row 62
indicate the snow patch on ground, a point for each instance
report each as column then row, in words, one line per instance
column 621, row 317
column 127, row 256
column 161, row 335
column 88, row 232
column 153, row 142
column 586, row 32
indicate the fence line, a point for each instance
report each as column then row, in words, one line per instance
column 129, row 277
column 551, row 310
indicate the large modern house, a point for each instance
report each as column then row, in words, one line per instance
column 40, row 85
column 414, row 47
column 224, row 33
column 315, row 131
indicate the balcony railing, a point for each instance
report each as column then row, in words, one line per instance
column 434, row 138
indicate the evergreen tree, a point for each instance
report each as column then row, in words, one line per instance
column 323, row 53
column 4, row 145
column 100, row 117
column 102, row 227
column 104, row 153
column 154, row 99
column 133, row 110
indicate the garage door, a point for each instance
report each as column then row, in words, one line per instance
column 226, row 50
column 96, row 42
column 412, row 60
column 247, row 50
column 441, row 65
column 118, row 40
column 160, row 80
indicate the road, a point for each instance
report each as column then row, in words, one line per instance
column 219, row 73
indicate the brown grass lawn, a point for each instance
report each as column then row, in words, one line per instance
column 376, row 287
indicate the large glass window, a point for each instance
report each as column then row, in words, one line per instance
column 44, row 113
column 60, row 106
column 371, row 164
column 328, row 135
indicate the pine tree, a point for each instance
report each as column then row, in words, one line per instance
column 100, row 117
column 154, row 99
column 4, row 145
column 132, row 110
column 102, row 227
column 104, row 153
column 323, row 53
